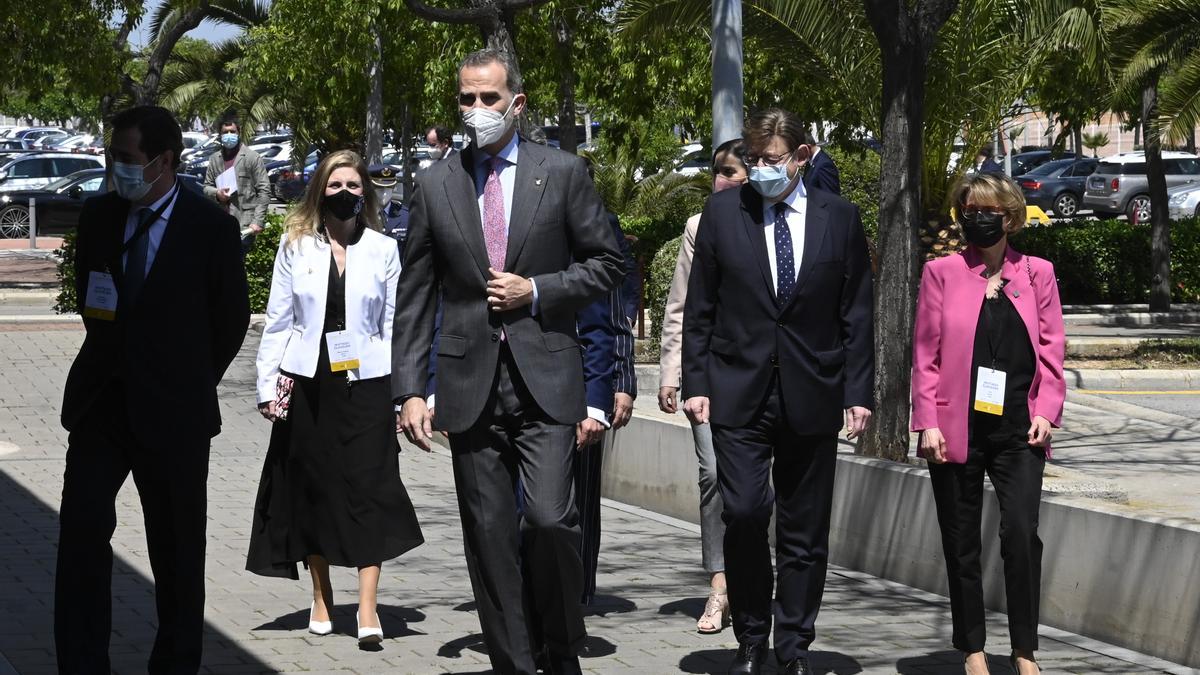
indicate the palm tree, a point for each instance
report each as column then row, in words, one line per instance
column 1095, row 141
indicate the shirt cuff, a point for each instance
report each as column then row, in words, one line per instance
column 598, row 415
column 534, row 309
column 430, row 401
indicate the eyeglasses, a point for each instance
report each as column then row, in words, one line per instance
column 972, row 210
column 757, row 160
column 467, row 99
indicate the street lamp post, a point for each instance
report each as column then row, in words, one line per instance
column 727, row 100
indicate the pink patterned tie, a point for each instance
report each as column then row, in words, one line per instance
column 494, row 229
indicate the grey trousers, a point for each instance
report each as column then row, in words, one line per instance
column 712, row 528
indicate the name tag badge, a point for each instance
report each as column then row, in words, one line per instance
column 101, row 301
column 342, row 354
column 989, row 391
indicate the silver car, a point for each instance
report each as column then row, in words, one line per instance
column 1119, row 185
column 1184, row 201
column 34, row 170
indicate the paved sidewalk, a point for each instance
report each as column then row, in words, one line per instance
column 650, row 585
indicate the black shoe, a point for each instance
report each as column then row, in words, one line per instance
column 562, row 664
column 796, row 667
column 749, row 659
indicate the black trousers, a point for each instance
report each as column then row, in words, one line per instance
column 1016, row 472
column 588, row 462
column 171, row 479
column 529, row 597
column 802, row 471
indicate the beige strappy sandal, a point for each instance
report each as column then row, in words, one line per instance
column 716, row 613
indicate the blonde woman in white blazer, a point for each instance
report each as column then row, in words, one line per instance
column 330, row 492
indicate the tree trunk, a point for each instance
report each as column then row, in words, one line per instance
column 728, row 94
column 374, row 140
column 1077, row 139
column 564, row 45
column 146, row 93
column 406, row 122
column 120, row 44
column 906, row 32
column 1160, row 223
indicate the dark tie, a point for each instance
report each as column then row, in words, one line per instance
column 785, row 264
column 135, row 262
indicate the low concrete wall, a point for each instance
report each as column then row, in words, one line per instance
column 1128, row 580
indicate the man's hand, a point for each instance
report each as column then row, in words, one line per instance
column 857, row 419
column 508, row 291
column 223, row 195
column 255, row 228
column 666, row 399
column 416, row 422
column 932, row 445
column 696, row 409
column 587, row 432
column 622, row 410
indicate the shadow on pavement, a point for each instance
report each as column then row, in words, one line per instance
column 29, row 542
column 946, row 660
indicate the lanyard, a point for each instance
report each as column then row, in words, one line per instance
column 993, row 348
column 145, row 226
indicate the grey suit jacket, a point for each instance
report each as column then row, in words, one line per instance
column 558, row 235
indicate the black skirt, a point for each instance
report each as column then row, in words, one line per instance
column 331, row 482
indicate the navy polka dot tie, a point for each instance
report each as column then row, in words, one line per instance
column 785, row 264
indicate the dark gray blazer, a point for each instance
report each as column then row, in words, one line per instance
column 559, row 236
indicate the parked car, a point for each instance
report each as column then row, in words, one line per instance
column 29, row 136
column 1119, row 184
column 58, row 204
column 35, row 170
column 48, row 141
column 1184, row 201
column 1024, row 162
column 1058, row 185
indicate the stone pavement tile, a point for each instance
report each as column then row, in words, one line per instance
column 650, row 584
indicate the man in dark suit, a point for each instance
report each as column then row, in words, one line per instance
column 821, row 172
column 515, row 237
column 159, row 277
column 777, row 346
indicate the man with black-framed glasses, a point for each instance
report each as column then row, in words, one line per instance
column 777, row 354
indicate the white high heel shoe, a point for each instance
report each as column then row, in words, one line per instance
column 369, row 635
column 318, row 627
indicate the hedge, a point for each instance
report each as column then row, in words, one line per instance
column 259, row 264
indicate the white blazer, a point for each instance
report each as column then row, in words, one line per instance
column 292, row 337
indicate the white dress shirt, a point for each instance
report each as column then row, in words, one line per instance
column 155, row 233
column 797, row 202
column 508, row 177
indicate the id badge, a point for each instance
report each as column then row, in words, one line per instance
column 989, row 391
column 101, row 301
column 342, row 354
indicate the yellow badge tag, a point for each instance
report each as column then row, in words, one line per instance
column 101, row 301
column 342, row 353
column 989, row 391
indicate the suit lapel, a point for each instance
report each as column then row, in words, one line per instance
column 1020, row 292
column 464, row 203
column 176, row 230
column 816, row 223
column 528, row 186
column 752, row 221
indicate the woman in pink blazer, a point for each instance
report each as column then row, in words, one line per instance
column 987, row 390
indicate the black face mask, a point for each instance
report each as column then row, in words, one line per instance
column 343, row 204
column 982, row 229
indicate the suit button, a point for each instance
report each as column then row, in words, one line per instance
column 495, row 337
column 779, row 323
column 774, row 359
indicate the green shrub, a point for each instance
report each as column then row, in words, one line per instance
column 260, row 262
column 658, row 284
column 858, row 172
column 1108, row 261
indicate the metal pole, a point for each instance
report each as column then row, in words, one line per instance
column 727, row 100
column 32, row 222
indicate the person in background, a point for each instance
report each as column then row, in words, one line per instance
column 985, row 164
column 778, row 356
column 393, row 214
column 159, row 277
column 249, row 202
column 821, row 172
column 987, row 392
column 330, row 492
column 729, row 171
column 440, row 143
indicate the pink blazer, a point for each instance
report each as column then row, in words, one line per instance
column 948, row 304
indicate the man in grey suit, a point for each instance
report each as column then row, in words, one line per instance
column 516, row 239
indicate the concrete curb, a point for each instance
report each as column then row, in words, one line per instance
column 10, row 294
column 40, row 318
column 1167, row 380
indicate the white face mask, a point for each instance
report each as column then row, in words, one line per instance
column 385, row 196
column 486, row 126
column 129, row 180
